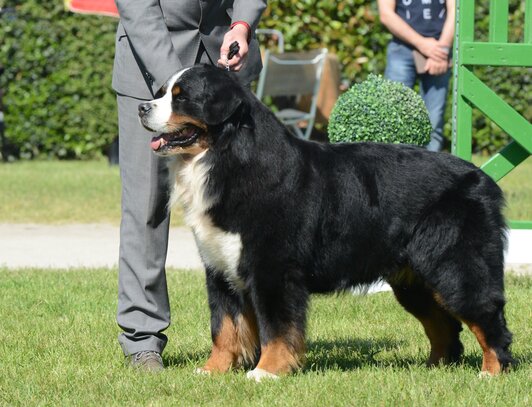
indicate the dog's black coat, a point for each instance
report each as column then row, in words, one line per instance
column 315, row 218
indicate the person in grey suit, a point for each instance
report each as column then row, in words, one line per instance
column 156, row 38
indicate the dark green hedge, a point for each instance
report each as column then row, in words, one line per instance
column 58, row 96
column 56, row 81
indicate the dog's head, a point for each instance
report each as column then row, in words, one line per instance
column 190, row 109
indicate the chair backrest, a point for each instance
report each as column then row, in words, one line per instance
column 291, row 73
column 270, row 35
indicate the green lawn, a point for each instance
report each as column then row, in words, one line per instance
column 517, row 187
column 58, row 347
column 59, row 192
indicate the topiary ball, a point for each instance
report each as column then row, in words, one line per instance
column 380, row 110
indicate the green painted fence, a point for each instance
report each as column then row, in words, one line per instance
column 471, row 92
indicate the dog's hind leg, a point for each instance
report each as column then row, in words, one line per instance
column 442, row 329
column 468, row 283
column 457, row 248
column 481, row 308
column 234, row 328
column 476, row 297
column 494, row 339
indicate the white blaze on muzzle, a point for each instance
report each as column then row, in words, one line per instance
column 161, row 109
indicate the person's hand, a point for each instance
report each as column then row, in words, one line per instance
column 240, row 34
column 436, row 67
column 432, row 48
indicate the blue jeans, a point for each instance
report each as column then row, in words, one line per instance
column 433, row 88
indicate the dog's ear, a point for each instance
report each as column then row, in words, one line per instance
column 224, row 96
column 219, row 108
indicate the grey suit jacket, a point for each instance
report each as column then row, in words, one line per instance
column 156, row 38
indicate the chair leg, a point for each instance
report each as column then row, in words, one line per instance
column 308, row 132
column 298, row 132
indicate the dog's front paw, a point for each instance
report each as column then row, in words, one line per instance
column 260, row 374
column 201, row 371
column 485, row 375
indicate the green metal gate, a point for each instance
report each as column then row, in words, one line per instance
column 470, row 92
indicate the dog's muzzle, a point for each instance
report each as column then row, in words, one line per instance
column 144, row 109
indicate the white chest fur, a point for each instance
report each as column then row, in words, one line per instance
column 219, row 250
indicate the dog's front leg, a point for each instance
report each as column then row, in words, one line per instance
column 234, row 331
column 280, row 302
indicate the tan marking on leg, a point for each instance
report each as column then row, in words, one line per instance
column 490, row 361
column 403, row 277
column 235, row 343
column 438, row 298
column 248, row 337
column 284, row 354
column 440, row 335
column 224, row 352
column 436, row 321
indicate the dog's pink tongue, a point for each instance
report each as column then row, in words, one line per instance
column 156, row 143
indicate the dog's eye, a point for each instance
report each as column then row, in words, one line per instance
column 177, row 93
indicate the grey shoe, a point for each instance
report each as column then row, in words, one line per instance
column 147, row 360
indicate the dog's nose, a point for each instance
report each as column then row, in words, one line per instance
column 144, row 108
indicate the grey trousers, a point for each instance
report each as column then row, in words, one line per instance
column 143, row 306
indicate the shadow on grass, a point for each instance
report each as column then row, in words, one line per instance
column 474, row 360
column 351, row 354
column 343, row 354
column 184, row 359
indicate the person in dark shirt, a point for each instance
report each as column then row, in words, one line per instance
column 420, row 49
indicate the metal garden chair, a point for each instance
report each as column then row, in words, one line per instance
column 293, row 74
column 271, row 35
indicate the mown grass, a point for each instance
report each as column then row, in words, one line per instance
column 58, row 347
column 517, row 187
column 60, row 192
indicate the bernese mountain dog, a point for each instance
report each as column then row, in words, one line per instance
column 277, row 218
